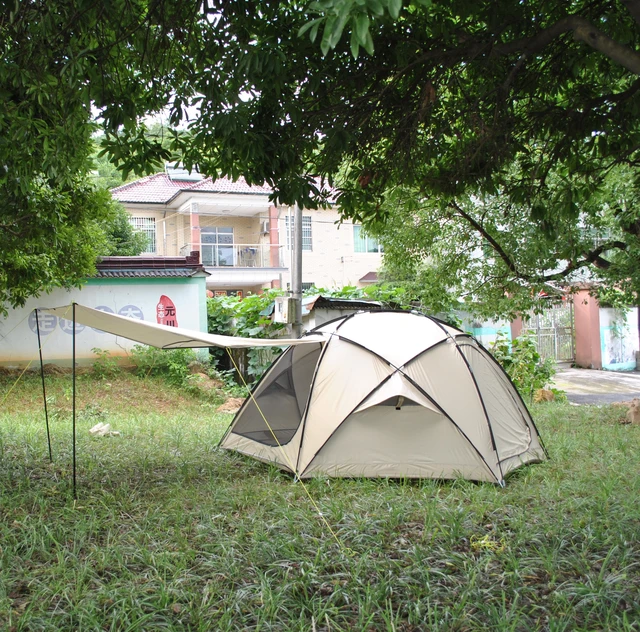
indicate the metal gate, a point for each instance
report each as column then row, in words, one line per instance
column 553, row 330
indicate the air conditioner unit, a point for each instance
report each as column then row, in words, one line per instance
column 264, row 227
column 284, row 310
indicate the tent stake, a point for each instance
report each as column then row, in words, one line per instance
column 44, row 390
column 73, row 377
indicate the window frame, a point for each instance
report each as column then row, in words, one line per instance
column 368, row 243
column 307, row 232
column 217, row 245
column 147, row 226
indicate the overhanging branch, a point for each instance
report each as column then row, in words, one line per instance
column 583, row 31
column 494, row 244
column 592, row 258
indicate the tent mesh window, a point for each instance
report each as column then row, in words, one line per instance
column 281, row 397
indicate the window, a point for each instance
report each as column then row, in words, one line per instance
column 147, row 226
column 216, row 246
column 306, row 232
column 281, row 398
column 307, row 286
column 363, row 243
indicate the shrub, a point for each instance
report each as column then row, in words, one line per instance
column 522, row 362
column 248, row 318
column 105, row 366
column 172, row 364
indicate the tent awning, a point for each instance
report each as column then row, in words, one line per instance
column 166, row 337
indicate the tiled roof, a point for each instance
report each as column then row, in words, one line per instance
column 149, row 267
column 158, row 189
column 161, row 189
column 225, row 185
column 149, row 273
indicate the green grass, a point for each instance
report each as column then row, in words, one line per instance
column 169, row 533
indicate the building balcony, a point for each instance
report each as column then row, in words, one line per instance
column 231, row 265
column 237, row 255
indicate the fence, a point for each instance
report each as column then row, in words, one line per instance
column 553, row 330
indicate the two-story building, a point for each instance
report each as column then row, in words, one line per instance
column 243, row 239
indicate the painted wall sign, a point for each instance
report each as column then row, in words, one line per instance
column 166, row 313
column 227, row 293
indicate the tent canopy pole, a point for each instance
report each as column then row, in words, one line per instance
column 73, row 377
column 44, row 390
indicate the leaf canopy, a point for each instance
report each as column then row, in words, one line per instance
column 533, row 101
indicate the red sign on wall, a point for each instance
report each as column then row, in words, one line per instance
column 166, row 312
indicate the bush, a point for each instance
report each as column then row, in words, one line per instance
column 248, row 317
column 105, row 366
column 522, row 362
column 172, row 364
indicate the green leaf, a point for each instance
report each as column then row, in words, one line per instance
column 362, row 27
column 314, row 32
column 376, row 7
column 309, row 25
column 394, row 8
column 368, row 43
column 338, row 28
column 325, row 44
column 355, row 45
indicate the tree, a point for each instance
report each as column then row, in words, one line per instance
column 105, row 174
column 484, row 255
column 122, row 239
column 448, row 99
column 61, row 61
column 463, row 100
column 49, row 239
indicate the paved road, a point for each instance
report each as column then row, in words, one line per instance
column 585, row 386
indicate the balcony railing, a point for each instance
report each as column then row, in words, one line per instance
column 239, row 255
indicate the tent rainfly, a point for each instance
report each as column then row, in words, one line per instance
column 147, row 333
column 387, row 394
column 161, row 336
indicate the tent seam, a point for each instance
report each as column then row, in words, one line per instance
column 425, row 394
column 484, row 408
column 386, row 379
column 398, row 369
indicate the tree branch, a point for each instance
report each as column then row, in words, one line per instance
column 593, row 257
column 494, row 244
column 583, row 31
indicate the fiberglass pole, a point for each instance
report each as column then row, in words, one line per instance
column 73, row 374
column 44, row 390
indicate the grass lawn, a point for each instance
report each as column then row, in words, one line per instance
column 169, row 533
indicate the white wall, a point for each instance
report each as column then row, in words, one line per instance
column 485, row 331
column 137, row 298
column 619, row 338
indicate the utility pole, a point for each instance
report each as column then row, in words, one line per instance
column 296, row 271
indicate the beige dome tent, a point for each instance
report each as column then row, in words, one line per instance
column 388, row 394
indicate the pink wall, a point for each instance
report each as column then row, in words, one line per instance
column 194, row 218
column 586, row 313
column 516, row 327
column 273, row 237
